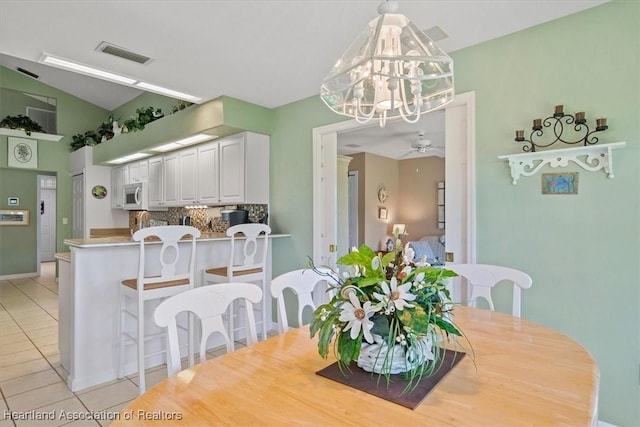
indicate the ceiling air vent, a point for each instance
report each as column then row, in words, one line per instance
column 123, row 53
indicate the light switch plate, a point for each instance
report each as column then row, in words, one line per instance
column 448, row 256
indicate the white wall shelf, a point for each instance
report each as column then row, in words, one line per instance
column 34, row 135
column 591, row 158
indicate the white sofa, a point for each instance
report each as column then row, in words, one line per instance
column 430, row 246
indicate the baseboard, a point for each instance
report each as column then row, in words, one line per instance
column 603, row 424
column 19, row 276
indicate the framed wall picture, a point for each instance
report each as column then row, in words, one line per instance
column 560, row 183
column 14, row 217
column 382, row 213
column 22, row 153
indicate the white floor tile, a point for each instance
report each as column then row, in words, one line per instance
column 40, row 397
column 110, row 395
column 29, row 382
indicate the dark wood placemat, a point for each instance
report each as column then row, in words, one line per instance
column 373, row 384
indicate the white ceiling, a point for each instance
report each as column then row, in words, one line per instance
column 267, row 52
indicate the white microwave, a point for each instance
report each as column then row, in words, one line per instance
column 136, row 197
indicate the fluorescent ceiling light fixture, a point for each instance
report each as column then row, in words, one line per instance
column 83, row 69
column 169, row 92
column 129, row 158
column 184, row 142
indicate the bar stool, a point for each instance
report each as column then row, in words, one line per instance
column 148, row 287
column 249, row 265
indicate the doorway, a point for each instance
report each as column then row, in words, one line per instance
column 46, row 218
column 460, row 176
column 353, row 209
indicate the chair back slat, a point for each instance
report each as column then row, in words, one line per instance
column 208, row 303
column 302, row 282
column 484, row 277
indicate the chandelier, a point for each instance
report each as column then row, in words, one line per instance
column 391, row 70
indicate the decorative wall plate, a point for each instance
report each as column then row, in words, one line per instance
column 99, row 192
column 382, row 194
column 23, row 153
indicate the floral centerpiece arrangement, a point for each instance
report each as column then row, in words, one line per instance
column 388, row 314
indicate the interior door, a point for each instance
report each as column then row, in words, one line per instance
column 77, row 195
column 325, row 201
column 47, row 212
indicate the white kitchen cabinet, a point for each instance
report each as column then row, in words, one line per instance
column 171, row 176
column 188, row 176
column 119, row 178
column 156, row 183
column 138, row 172
column 208, row 174
column 232, row 170
column 244, row 169
column 229, row 171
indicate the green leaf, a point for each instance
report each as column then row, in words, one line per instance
column 415, row 318
column 447, row 327
column 348, row 349
column 324, row 338
column 380, row 325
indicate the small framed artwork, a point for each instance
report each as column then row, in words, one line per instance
column 14, row 217
column 560, row 183
column 22, row 153
column 382, row 213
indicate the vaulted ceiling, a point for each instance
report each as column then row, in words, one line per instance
column 267, row 52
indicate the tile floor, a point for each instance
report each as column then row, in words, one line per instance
column 31, row 378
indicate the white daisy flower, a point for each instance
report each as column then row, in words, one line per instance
column 396, row 296
column 358, row 317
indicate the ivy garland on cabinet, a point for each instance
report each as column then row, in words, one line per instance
column 110, row 128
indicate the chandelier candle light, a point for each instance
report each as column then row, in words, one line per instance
column 391, row 70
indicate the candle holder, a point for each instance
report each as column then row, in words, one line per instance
column 558, row 122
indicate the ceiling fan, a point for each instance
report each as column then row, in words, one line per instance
column 423, row 145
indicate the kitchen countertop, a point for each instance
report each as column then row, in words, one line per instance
column 127, row 241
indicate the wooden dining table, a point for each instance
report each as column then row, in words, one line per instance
column 516, row 372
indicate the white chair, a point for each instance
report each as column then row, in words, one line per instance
column 151, row 284
column 483, row 277
column 246, row 265
column 302, row 282
column 208, row 303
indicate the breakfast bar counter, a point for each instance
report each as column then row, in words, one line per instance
column 89, row 283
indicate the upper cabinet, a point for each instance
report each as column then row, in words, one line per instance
column 244, row 169
column 208, row 173
column 232, row 170
column 119, row 178
column 228, row 171
column 187, row 178
column 139, row 172
column 156, row 182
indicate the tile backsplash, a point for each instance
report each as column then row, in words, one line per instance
column 200, row 218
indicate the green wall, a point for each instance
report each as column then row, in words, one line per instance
column 74, row 116
column 581, row 250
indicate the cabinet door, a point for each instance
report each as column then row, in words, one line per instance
column 143, row 171
column 188, row 173
column 208, row 174
column 171, row 176
column 134, row 173
column 156, row 185
column 119, row 177
column 232, row 170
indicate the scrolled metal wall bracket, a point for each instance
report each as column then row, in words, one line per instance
column 568, row 129
column 558, row 123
